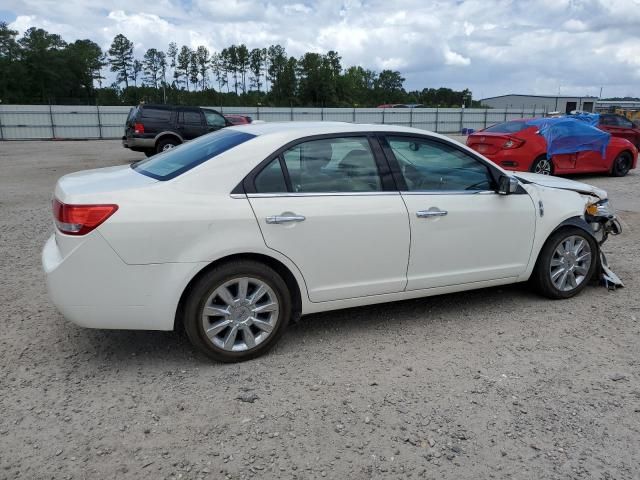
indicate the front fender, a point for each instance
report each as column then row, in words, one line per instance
column 577, row 222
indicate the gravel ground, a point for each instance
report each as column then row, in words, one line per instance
column 497, row 383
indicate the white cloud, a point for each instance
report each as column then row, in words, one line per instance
column 489, row 46
column 453, row 58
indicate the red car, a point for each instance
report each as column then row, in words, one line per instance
column 620, row 126
column 514, row 145
column 238, row 119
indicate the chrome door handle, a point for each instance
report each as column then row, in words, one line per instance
column 285, row 218
column 431, row 213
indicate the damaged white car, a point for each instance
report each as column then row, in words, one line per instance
column 235, row 233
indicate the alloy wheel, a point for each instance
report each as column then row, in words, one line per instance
column 240, row 314
column 543, row 167
column 570, row 263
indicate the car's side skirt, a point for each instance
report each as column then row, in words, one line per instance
column 407, row 295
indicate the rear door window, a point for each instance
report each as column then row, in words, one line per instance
column 333, row 165
column 156, row 115
column 174, row 162
column 191, row 118
column 132, row 114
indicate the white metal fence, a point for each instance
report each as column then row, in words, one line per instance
column 41, row 122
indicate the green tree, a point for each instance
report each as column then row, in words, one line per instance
column 230, row 59
column 193, row 69
column 218, row 69
column 151, row 67
column 388, row 86
column 243, row 62
column 203, row 59
column 136, row 68
column 277, row 64
column 11, row 69
column 172, row 54
column 41, row 56
column 256, row 64
column 85, row 61
column 121, row 58
column 182, row 65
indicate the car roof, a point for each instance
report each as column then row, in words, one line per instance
column 302, row 129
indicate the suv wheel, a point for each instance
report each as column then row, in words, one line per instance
column 166, row 144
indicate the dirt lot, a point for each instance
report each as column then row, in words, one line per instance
column 497, row 383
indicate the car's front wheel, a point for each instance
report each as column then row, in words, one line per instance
column 621, row 165
column 543, row 166
column 566, row 263
column 237, row 311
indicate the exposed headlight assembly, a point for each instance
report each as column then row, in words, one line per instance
column 603, row 220
column 602, row 209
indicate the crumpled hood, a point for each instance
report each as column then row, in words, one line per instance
column 561, row 183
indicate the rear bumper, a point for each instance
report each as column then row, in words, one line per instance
column 92, row 287
column 138, row 144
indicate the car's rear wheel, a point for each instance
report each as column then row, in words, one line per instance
column 566, row 263
column 542, row 166
column 237, row 311
column 166, row 144
column 621, row 165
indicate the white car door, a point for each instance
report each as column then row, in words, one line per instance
column 462, row 231
column 324, row 204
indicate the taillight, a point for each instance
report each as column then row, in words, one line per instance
column 80, row 219
column 513, row 143
column 138, row 128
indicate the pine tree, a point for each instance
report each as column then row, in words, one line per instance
column 121, row 58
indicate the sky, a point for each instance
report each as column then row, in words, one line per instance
column 493, row 47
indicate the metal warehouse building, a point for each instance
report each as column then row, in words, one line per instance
column 546, row 103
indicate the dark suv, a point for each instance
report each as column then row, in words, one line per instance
column 155, row 128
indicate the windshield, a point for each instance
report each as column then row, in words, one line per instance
column 174, row 162
column 507, row 127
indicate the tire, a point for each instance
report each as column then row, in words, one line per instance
column 237, row 311
column 149, row 153
column 542, row 165
column 621, row 165
column 166, row 144
column 547, row 279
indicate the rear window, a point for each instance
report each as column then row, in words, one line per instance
column 174, row 162
column 132, row 114
column 160, row 115
column 507, row 127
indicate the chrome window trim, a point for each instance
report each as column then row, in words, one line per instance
column 320, row 194
column 449, row 192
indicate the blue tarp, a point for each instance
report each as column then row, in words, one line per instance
column 572, row 134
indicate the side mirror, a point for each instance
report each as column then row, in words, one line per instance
column 507, row 185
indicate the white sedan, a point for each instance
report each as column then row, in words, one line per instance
column 233, row 234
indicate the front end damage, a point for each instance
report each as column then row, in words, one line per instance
column 598, row 215
column 602, row 219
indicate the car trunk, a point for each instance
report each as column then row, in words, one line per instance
column 489, row 143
